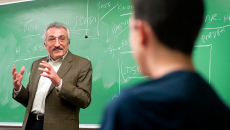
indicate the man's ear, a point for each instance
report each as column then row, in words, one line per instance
column 45, row 45
column 141, row 31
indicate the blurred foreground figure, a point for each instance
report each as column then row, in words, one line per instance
column 178, row 98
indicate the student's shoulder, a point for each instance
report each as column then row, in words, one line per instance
column 172, row 86
column 185, row 80
column 139, row 89
column 132, row 94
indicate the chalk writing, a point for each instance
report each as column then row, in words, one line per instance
column 127, row 52
column 30, row 27
column 210, row 57
column 124, row 7
column 132, row 70
column 86, row 32
column 126, row 14
column 226, row 18
column 212, row 34
column 216, row 17
column 111, row 49
column 79, row 21
column 121, row 32
column 121, row 26
column 36, row 47
column 29, row 15
column 129, row 72
column 17, row 50
column 109, row 12
column 105, row 5
column 126, row 43
column 211, row 18
column 29, row 58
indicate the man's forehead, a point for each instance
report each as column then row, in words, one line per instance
column 56, row 31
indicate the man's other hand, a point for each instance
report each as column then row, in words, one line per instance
column 17, row 77
column 50, row 73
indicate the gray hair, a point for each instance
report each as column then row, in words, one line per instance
column 56, row 25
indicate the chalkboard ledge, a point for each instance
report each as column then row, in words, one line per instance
column 10, row 124
column 16, row 125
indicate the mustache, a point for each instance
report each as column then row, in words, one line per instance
column 57, row 48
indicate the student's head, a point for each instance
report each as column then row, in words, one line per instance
column 170, row 24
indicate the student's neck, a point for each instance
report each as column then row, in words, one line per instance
column 169, row 62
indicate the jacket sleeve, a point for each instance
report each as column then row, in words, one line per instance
column 80, row 94
column 23, row 95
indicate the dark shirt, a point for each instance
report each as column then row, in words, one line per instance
column 179, row 100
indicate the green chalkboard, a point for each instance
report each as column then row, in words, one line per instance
column 107, row 47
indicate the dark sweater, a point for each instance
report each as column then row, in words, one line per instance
column 179, row 100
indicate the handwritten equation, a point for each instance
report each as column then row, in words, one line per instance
column 215, row 17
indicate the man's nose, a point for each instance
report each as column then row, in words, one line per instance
column 57, row 43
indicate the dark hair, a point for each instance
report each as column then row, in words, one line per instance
column 176, row 23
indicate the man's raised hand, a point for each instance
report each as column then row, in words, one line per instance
column 17, row 77
column 50, row 73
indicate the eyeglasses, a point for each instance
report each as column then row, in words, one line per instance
column 53, row 39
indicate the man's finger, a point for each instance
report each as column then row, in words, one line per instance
column 45, row 62
column 45, row 65
column 15, row 75
column 22, row 70
column 15, row 81
column 13, row 70
column 45, row 75
column 44, row 70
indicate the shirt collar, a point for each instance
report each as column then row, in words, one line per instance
column 58, row 60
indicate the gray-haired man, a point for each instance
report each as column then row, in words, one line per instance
column 59, row 85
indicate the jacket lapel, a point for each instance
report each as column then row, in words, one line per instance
column 65, row 66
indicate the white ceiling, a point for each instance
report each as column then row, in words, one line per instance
column 2, row 2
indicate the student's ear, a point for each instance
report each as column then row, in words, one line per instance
column 141, row 32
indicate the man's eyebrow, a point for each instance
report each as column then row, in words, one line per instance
column 62, row 36
column 51, row 36
column 58, row 36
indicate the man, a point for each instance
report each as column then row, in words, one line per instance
column 163, row 33
column 59, row 85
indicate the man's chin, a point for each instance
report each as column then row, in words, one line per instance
column 58, row 55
